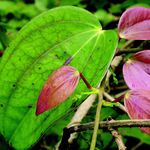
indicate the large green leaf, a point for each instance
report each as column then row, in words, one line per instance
column 42, row 46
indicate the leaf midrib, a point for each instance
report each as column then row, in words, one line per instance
column 27, row 35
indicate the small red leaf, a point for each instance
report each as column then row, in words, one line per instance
column 59, row 86
column 134, row 24
column 137, row 103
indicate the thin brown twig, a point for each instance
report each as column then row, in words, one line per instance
column 118, row 139
column 131, row 50
column 102, row 124
column 123, row 87
column 106, row 124
column 117, row 136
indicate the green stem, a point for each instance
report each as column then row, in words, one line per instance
column 97, row 119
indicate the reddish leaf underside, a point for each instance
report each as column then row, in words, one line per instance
column 59, row 86
column 137, row 103
column 134, row 24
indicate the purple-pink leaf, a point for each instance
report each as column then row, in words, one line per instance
column 143, row 56
column 137, row 74
column 137, row 103
column 59, row 86
column 134, row 24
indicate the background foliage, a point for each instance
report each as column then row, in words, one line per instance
column 15, row 14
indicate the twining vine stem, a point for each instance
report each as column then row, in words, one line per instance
column 97, row 119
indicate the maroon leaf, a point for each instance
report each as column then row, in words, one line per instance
column 134, row 24
column 137, row 103
column 59, row 86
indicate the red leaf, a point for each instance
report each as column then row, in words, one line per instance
column 137, row 103
column 59, row 86
column 134, row 24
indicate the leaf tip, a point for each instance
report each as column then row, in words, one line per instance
column 40, row 109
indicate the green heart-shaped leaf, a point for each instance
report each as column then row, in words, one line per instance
column 41, row 47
